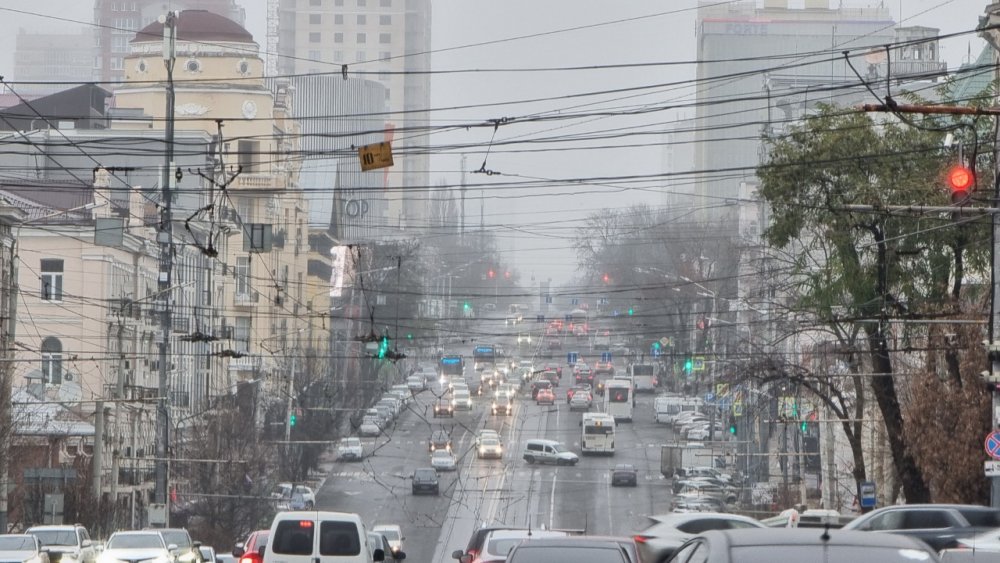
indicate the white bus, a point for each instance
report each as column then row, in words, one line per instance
column 618, row 399
column 643, row 377
column 598, row 433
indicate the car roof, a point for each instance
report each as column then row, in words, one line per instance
column 680, row 518
column 501, row 533
column 810, row 536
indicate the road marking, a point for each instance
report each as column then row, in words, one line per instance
column 552, row 501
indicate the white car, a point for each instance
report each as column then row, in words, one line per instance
column 489, row 448
column 486, row 433
column 393, row 533
column 350, row 449
column 23, row 548
column 443, row 460
column 144, row 546
column 299, row 497
column 462, row 400
column 370, row 427
column 416, row 383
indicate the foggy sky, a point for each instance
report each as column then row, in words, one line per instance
column 544, row 218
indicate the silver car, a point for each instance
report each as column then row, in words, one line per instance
column 668, row 531
column 145, row 546
column 23, row 548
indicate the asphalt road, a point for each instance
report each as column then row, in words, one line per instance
column 506, row 491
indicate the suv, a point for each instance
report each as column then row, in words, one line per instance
column 938, row 525
column 187, row 550
column 425, row 479
column 538, row 385
column 69, row 544
column 548, row 451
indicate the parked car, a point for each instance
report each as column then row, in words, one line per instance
column 299, row 497
column 624, row 475
column 71, row 542
column 250, row 550
column 424, row 480
column 667, row 532
column 369, row 427
column 22, row 548
column 807, row 544
column 350, row 449
column 940, row 526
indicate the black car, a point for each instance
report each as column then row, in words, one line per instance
column 938, row 525
column 425, row 480
column 440, row 440
column 624, row 475
column 765, row 545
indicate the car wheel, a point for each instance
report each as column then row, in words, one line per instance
column 529, row 459
column 309, row 505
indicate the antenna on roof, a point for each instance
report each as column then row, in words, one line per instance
column 826, row 532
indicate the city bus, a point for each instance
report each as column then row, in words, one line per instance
column 598, row 433
column 451, row 367
column 618, row 399
column 484, row 356
column 643, row 377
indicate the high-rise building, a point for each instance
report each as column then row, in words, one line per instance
column 385, row 39
column 116, row 21
column 763, row 68
column 54, row 58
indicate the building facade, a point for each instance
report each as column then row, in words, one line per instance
column 387, row 39
column 118, row 21
column 52, row 57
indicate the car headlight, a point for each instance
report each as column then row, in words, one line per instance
column 453, row 402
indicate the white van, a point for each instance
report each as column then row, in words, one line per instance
column 319, row 537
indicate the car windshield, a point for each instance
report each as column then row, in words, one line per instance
column 442, row 454
column 390, row 534
column 136, row 541
column 16, row 543
column 490, row 442
column 178, row 538
column 576, row 554
column 55, row 537
column 424, row 473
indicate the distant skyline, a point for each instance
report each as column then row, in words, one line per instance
column 479, row 34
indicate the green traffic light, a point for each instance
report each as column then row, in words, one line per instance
column 291, row 419
column 804, row 426
column 656, row 345
column 466, row 306
column 409, row 336
column 631, row 311
column 732, row 429
column 688, row 365
column 383, row 347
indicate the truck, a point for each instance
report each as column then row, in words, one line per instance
column 674, row 458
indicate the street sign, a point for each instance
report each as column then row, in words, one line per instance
column 574, row 301
column 993, row 444
column 571, row 358
column 606, row 357
column 709, row 397
column 666, row 341
column 540, row 318
column 867, row 494
column 992, row 468
column 377, row 155
column 737, row 408
column 698, row 363
column 654, row 351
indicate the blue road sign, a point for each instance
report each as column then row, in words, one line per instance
column 993, row 444
column 571, row 358
column 710, row 397
column 867, row 494
column 606, row 357
column 654, row 351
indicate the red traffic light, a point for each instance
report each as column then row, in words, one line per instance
column 960, row 181
column 607, row 278
column 506, row 275
column 491, row 273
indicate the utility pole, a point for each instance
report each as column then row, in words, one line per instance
column 462, row 191
column 97, row 466
column 165, row 237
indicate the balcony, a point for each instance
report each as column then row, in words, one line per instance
column 247, row 299
column 248, row 363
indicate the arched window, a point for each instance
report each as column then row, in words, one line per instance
column 52, row 372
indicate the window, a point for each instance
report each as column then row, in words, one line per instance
column 385, row 38
column 315, row 19
column 242, row 335
column 247, row 157
column 385, row 55
column 315, row 37
column 242, row 272
column 117, row 64
column 362, row 19
column 339, row 538
column 361, row 38
column 338, row 56
column 360, row 57
column 52, row 373
column 385, row 3
column 385, row 20
column 315, row 2
column 291, row 537
column 338, row 2
column 362, row 3
column 338, row 37
column 338, row 19
column 52, row 279
column 315, row 55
